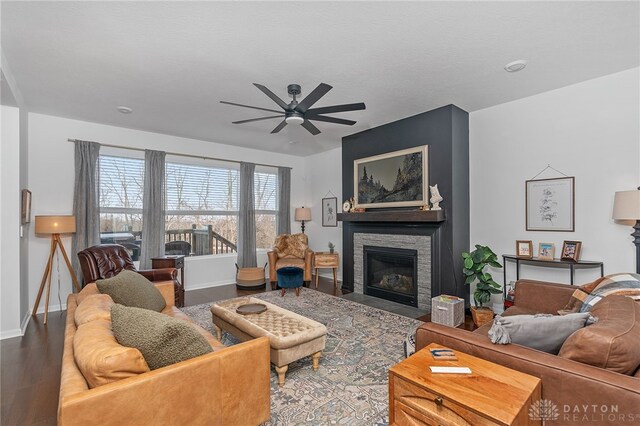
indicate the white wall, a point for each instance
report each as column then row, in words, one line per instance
column 51, row 175
column 588, row 130
column 10, row 222
column 323, row 174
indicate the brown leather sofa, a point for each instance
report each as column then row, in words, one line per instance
column 107, row 260
column 583, row 394
column 283, row 255
column 229, row 386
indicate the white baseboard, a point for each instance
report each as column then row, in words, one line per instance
column 16, row 332
column 52, row 308
column 207, row 285
column 25, row 322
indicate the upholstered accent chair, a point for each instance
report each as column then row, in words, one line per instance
column 290, row 250
column 107, row 260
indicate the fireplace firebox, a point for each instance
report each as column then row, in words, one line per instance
column 391, row 273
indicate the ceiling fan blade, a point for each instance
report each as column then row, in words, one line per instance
column 280, row 126
column 336, row 108
column 310, row 127
column 331, row 120
column 257, row 119
column 313, row 97
column 249, row 106
column 272, row 95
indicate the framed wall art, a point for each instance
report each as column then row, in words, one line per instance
column 394, row 179
column 330, row 211
column 25, row 211
column 546, row 251
column 571, row 250
column 550, row 204
column 524, row 249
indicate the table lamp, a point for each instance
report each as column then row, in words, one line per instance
column 302, row 214
column 626, row 206
column 54, row 226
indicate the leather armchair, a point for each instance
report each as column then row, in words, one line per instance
column 280, row 256
column 107, row 260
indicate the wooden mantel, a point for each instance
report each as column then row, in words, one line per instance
column 394, row 216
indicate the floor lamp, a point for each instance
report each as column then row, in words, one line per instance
column 626, row 206
column 54, row 226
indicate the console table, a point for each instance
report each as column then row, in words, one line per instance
column 572, row 265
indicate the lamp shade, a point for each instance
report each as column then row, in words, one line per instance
column 303, row 213
column 626, row 205
column 55, row 224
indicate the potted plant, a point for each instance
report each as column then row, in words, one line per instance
column 474, row 265
column 332, row 247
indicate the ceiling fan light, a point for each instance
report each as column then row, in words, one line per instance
column 294, row 119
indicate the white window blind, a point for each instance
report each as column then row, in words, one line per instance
column 121, row 184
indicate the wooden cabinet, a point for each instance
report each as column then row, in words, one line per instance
column 324, row 259
column 169, row 261
column 490, row 395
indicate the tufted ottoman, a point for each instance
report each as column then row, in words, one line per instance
column 291, row 336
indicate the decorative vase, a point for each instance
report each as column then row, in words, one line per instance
column 481, row 315
column 331, row 250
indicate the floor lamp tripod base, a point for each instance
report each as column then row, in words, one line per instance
column 56, row 242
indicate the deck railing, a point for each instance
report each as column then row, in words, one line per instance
column 203, row 241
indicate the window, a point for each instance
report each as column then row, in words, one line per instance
column 202, row 204
column 121, row 186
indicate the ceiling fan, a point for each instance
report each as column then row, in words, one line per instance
column 301, row 112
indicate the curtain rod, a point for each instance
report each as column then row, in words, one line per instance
column 175, row 153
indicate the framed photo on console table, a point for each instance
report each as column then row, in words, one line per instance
column 550, row 204
column 571, row 250
column 394, row 179
column 524, row 249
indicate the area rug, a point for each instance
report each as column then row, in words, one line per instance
column 351, row 385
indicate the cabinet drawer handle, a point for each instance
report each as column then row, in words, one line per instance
column 438, row 400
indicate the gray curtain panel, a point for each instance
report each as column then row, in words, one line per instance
column 86, row 208
column 283, row 221
column 153, row 207
column 247, row 218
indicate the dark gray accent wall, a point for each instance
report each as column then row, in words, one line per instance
column 446, row 131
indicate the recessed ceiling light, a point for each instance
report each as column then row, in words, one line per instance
column 515, row 66
column 124, row 109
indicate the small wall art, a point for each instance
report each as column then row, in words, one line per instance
column 550, row 204
column 329, row 212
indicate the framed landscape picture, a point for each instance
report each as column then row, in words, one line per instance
column 550, row 204
column 330, row 211
column 395, row 179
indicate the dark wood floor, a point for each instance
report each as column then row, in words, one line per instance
column 30, row 365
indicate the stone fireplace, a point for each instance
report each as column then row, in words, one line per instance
column 393, row 266
column 391, row 273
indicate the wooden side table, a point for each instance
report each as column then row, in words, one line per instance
column 324, row 259
column 490, row 395
column 169, row 261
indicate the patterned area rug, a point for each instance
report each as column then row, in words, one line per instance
column 351, row 385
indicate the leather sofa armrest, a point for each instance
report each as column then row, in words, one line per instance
column 543, row 297
column 167, row 290
column 164, row 274
column 308, row 264
column 273, row 259
column 566, row 383
column 226, row 387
